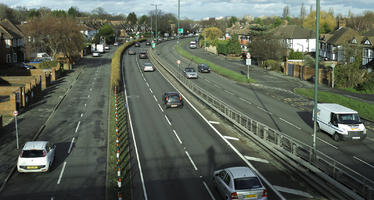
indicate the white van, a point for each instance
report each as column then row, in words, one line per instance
column 340, row 122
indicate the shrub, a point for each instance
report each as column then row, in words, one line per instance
column 272, row 65
column 48, row 64
column 222, row 47
column 295, row 55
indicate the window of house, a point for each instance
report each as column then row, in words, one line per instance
column 14, row 57
column 8, row 43
column 8, row 58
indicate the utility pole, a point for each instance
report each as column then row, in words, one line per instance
column 179, row 6
column 151, row 28
column 156, row 4
column 316, row 82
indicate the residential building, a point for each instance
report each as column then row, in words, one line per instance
column 296, row 38
column 11, row 43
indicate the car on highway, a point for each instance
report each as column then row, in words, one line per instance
column 137, row 44
column 116, row 44
column 36, row 156
column 131, row 52
column 203, row 68
column 190, row 72
column 193, row 45
column 148, row 43
column 143, row 55
column 172, row 100
column 148, row 67
column 239, row 183
column 95, row 54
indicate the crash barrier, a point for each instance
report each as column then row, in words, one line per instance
column 338, row 175
column 119, row 177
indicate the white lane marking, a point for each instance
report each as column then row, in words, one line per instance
column 264, row 110
column 293, row 191
column 189, row 157
column 290, row 123
column 213, row 122
column 207, row 80
column 71, row 145
column 150, row 90
column 88, row 96
column 144, row 78
column 167, row 119
column 155, row 98
column 363, row 161
column 215, row 85
column 245, row 100
column 162, row 110
column 147, row 84
column 176, row 135
column 81, row 114
column 52, row 198
column 61, row 173
column 210, row 192
column 256, row 159
column 76, row 129
column 85, row 105
column 231, row 138
column 229, row 92
column 136, row 147
column 90, row 89
column 333, row 146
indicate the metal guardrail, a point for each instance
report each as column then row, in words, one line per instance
column 339, row 175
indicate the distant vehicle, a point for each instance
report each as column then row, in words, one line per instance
column 137, row 44
column 106, row 48
column 27, row 67
column 131, row 52
column 116, row 44
column 239, row 183
column 148, row 43
column 100, row 48
column 203, row 68
column 172, row 38
column 193, row 45
column 143, row 55
column 190, row 72
column 43, row 56
column 96, row 54
column 36, row 156
column 340, row 122
column 148, row 67
column 172, row 100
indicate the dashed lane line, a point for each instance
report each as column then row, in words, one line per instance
column 61, row 173
column 368, row 164
column 71, row 145
column 167, row 119
column 264, row 110
column 210, row 192
column 213, row 122
column 176, row 135
column 333, row 146
column 155, row 98
column 289, row 123
column 231, row 138
column 256, row 159
column 189, row 157
column 162, row 110
column 245, row 100
column 76, row 129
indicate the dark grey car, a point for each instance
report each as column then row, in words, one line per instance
column 172, row 100
column 203, row 68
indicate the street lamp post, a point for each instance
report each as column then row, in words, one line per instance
column 179, row 6
column 155, row 4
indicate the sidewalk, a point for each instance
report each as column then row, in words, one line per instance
column 31, row 122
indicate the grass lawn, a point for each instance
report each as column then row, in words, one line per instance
column 365, row 110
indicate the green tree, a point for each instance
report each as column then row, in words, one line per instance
column 58, row 13
column 259, row 21
column 233, row 46
column 264, row 47
column 212, row 34
column 143, row 19
column 131, row 18
column 106, row 32
column 232, row 21
column 277, row 22
column 73, row 12
column 327, row 22
column 33, row 13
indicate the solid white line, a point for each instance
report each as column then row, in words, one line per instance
column 150, row 90
column 363, row 162
column 207, row 80
column 76, row 129
column 193, row 164
column 147, row 84
column 90, row 89
column 85, row 105
column 88, row 96
column 155, row 98
column 263, row 110
column 176, row 135
column 213, row 122
column 160, row 108
column 256, row 159
column 207, row 188
column 167, row 119
column 229, row 92
column 216, row 85
column 333, row 146
column 81, row 114
column 231, row 138
column 61, row 173
column 293, row 191
column 245, row 100
column 71, row 145
column 289, row 123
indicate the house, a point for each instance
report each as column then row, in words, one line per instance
column 11, row 43
column 88, row 31
column 296, row 38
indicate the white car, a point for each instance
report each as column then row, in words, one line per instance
column 148, row 67
column 115, row 44
column 36, row 156
column 95, row 54
column 107, row 48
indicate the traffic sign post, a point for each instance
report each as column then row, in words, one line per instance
column 333, row 74
column 15, row 113
column 178, row 62
column 248, row 62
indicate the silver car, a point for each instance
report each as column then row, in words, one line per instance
column 190, row 72
column 148, row 67
column 239, row 183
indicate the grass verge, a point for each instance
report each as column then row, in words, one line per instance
column 216, row 68
column 366, row 110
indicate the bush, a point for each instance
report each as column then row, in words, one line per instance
column 233, row 46
column 222, row 47
column 48, row 64
column 295, row 55
column 272, row 65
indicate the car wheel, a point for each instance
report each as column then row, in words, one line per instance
column 318, row 129
column 336, row 137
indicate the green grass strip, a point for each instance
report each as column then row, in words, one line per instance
column 216, row 68
column 366, row 110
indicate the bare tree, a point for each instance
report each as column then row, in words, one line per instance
column 286, row 12
column 302, row 12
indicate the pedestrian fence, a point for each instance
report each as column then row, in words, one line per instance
column 353, row 184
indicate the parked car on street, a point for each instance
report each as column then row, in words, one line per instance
column 190, row 72
column 36, row 156
column 27, row 67
column 239, row 183
column 203, row 68
column 148, row 67
column 143, row 55
column 172, row 100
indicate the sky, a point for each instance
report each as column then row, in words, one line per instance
column 200, row 9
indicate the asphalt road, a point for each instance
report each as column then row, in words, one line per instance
column 79, row 129
column 263, row 105
column 179, row 149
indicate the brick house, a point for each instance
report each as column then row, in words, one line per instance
column 11, row 43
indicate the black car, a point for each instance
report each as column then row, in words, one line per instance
column 137, row 44
column 203, row 68
column 148, row 43
column 143, row 55
column 172, row 100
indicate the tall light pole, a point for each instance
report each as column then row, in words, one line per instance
column 151, row 28
column 316, row 81
column 156, row 4
column 179, row 13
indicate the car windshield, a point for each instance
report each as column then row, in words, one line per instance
column 148, row 64
column 349, row 119
column 190, row 70
column 32, row 153
column 247, row 183
column 204, row 66
column 173, row 98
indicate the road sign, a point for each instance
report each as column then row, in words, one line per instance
column 248, row 55
column 180, row 30
column 153, row 45
column 248, row 61
column 15, row 113
column 178, row 62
